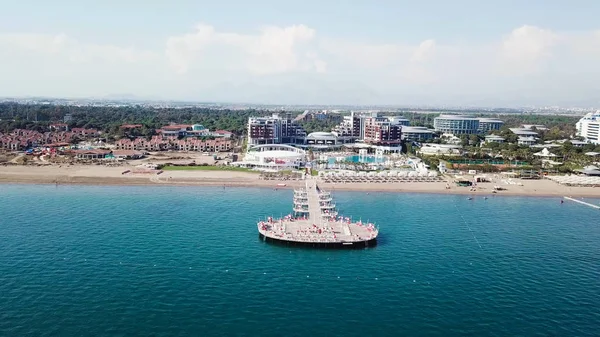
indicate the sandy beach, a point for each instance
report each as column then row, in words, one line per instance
column 102, row 175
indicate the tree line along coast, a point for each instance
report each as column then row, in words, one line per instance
column 109, row 119
column 109, row 122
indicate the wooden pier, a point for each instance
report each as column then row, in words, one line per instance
column 315, row 222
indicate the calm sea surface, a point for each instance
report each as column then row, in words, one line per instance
column 187, row 261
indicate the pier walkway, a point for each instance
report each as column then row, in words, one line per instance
column 314, row 207
column 316, row 222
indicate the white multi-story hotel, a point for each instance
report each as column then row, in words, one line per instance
column 461, row 125
column 456, row 124
column 588, row 127
column 489, row 124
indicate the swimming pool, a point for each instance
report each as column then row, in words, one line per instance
column 357, row 159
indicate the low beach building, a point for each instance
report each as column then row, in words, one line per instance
column 590, row 171
column 59, row 127
column 494, row 139
column 222, row 134
column 322, row 141
column 440, row 150
column 526, row 140
column 273, row 157
column 523, row 132
column 91, row 154
column 539, row 127
column 127, row 154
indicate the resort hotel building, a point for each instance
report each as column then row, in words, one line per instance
column 489, row 124
column 416, row 133
column 351, row 127
column 274, row 130
column 276, row 142
column 381, row 131
column 461, row 125
column 588, row 127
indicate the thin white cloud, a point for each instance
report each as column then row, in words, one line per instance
column 520, row 63
column 272, row 50
column 73, row 50
column 424, row 51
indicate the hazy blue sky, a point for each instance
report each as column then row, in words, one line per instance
column 342, row 52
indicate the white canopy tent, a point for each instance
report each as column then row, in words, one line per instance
column 544, row 153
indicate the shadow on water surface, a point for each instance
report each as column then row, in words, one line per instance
column 317, row 245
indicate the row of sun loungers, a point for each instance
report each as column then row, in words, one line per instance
column 287, row 178
column 576, row 180
column 367, row 179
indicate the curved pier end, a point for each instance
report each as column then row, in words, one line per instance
column 316, row 223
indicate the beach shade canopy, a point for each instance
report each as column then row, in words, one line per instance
column 544, row 153
column 590, row 170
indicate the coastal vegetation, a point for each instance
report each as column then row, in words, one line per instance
column 326, row 124
column 110, row 118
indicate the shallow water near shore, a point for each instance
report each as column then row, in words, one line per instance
column 142, row 260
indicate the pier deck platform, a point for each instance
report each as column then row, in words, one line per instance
column 317, row 228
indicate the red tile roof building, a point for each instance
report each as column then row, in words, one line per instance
column 158, row 143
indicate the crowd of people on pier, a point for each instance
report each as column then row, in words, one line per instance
column 314, row 233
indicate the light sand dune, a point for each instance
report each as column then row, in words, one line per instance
column 102, row 175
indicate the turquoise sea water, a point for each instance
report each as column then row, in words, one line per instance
column 187, row 261
column 356, row 159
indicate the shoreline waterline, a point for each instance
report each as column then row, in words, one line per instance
column 401, row 188
column 115, row 176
